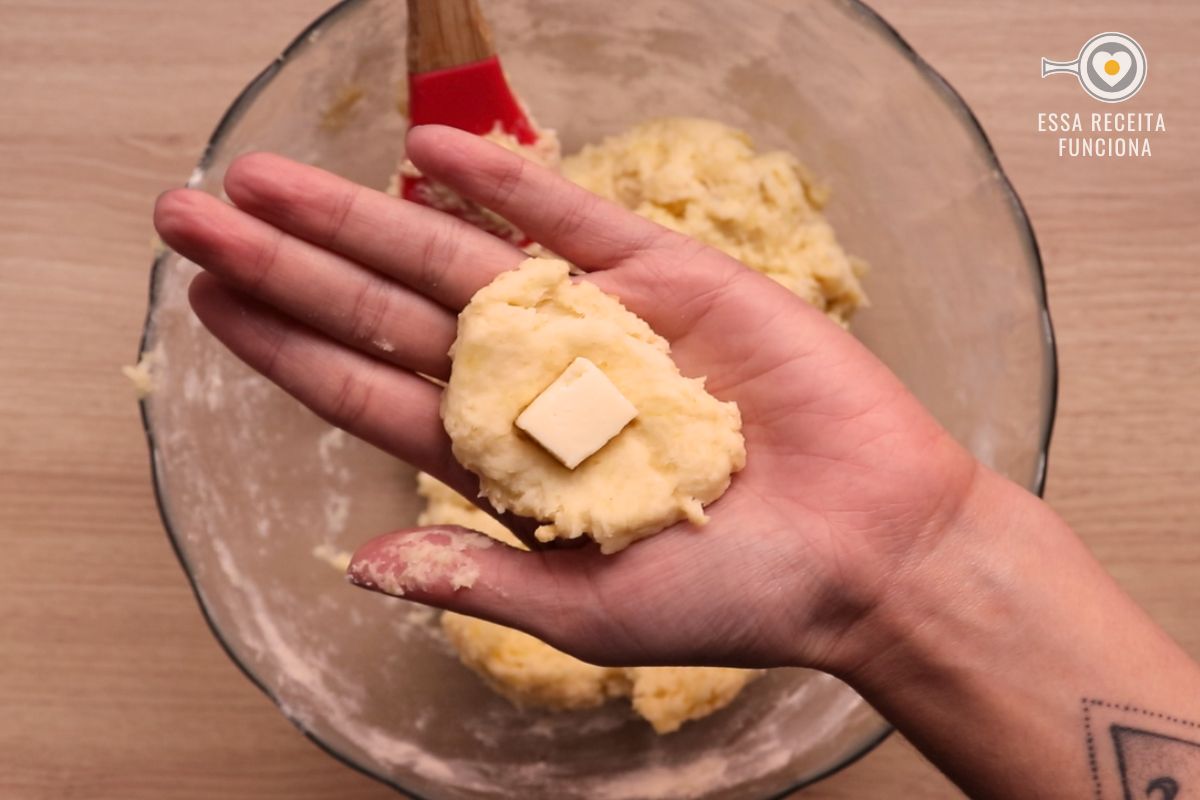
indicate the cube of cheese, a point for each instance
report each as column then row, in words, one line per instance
column 577, row 414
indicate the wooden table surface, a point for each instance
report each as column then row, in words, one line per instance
column 110, row 684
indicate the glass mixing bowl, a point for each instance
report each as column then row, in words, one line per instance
column 249, row 483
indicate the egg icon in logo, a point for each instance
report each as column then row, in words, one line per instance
column 1111, row 67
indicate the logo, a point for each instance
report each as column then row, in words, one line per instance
column 1111, row 67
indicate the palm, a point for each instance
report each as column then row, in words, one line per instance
column 342, row 296
column 837, row 488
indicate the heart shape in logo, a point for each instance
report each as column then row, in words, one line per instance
column 1111, row 67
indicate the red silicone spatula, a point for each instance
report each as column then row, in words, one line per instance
column 454, row 78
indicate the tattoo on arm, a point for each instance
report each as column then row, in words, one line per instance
column 1137, row 754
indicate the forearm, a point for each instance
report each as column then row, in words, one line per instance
column 1009, row 655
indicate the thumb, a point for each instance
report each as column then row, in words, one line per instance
column 546, row 593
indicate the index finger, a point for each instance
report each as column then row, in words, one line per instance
column 571, row 221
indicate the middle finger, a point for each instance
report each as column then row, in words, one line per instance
column 435, row 254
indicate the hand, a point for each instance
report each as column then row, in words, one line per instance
column 341, row 295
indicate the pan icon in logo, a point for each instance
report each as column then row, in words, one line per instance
column 1111, row 67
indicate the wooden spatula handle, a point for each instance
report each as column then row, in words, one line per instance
column 446, row 33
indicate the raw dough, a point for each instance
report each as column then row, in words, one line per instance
column 531, row 672
column 444, row 506
column 514, row 338
column 705, row 179
column 670, row 696
column 141, row 374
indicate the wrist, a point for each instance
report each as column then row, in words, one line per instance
column 961, row 583
column 982, row 650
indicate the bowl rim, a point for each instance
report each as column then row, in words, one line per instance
column 871, row 19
